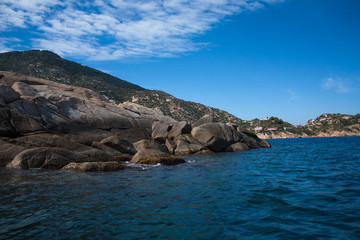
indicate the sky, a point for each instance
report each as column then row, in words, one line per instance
column 293, row 59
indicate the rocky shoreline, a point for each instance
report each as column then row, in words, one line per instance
column 54, row 126
column 284, row 135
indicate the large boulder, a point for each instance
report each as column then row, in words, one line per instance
column 179, row 128
column 205, row 119
column 186, row 144
column 150, row 144
column 93, row 167
column 160, row 131
column 216, row 136
column 169, row 130
column 253, row 141
column 119, row 144
column 55, row 158
column 146, row 154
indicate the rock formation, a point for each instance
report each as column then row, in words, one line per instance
column 55, row 126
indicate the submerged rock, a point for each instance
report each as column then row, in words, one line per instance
column 93, row 167
column 170, row 161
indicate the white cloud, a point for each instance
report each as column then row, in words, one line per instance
column 292, row 94
column 335, row 84
column 114, row 29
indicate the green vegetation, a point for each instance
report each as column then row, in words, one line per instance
column 48, row 65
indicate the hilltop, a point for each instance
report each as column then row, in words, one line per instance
column 48, row 65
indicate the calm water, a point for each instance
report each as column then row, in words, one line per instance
column 299, row 189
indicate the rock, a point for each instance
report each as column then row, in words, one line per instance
column 150, row 144
column 146, row 154
column 169, row 130
column 24, row 124
column 48, row 158
column 54, row 158
column 49, row 140
column 170, row 161
column 94, row 166
column 160, row 131
column 67, row 109
column 265, row 144
column 105, row 149
column 252, row 140
column 237, row 147
column 119, row 144
column 205, row 119
column 6, row 129
column 8, row 94
column 24, row 89
column 186, row 144
column 8, row 151
column 179, row 128
column 216, row 136
column 123, row 157
column 171, row 146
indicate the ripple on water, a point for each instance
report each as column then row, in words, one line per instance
column 299, row 189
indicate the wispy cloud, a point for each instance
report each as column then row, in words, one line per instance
column 292, row 94
column 115, row 29
column 336, row 85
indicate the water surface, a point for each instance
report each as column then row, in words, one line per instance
column 298, row 189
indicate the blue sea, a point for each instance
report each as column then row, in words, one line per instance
column 298, row 189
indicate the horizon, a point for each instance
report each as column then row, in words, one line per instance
column 290, row 59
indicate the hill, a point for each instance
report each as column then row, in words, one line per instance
column 326, row 125
column 48, row 65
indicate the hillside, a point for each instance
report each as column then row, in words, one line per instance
column 48, row 65
column 326, row 125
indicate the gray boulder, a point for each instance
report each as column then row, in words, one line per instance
column 55, row 158
column 146, row 154
column 205, row 119
column 151, row 145
column 179, row 128
column 160, row 131
column 186, row 144
column 216, row 136
column 169, row 130
column 252, row 140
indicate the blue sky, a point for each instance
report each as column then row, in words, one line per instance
column 294, row 59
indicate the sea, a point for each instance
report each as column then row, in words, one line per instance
column 298, row 189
